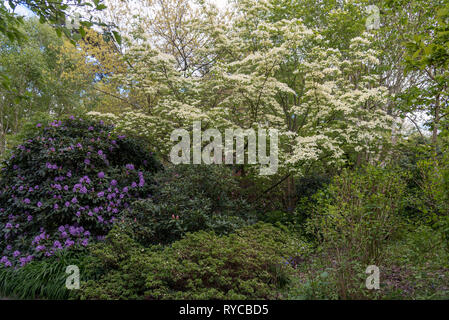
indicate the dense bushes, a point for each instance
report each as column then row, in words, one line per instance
column 355, row 217
column 190, row 198
column 359, row 211
column 64, row 188
column 249, row 264
column 358, row 221
column 187, row 231
column 415, row 266
column 432, row 198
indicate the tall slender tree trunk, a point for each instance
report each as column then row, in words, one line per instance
column 290, row 195
column 436, row 124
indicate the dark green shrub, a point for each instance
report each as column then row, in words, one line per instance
column 190, row 198
column 64, row 188
column 250, row 264
column 292, row 220
column 308, row 185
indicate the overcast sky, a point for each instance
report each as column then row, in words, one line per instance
column 21, row 10
column 24, row 11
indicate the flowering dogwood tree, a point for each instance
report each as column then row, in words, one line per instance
column 243, row 69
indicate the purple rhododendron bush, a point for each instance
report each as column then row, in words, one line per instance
column 65, row 187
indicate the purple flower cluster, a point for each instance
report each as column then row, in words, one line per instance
column 76, row 196
column 51, row 166
column 56, row 123
column 67, row 236
column 23, row 260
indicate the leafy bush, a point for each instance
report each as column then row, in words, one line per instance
column 250, row 264
column 317, row 287
column 292, row 220
column 66, row 186
column 433, row 194
column 419, row 245
column 188, row 199
column 415, row 266
column 355, row 218
column 308, row 185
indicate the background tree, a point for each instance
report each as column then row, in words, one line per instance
column 56, row 13
column 428, row 52
column 253, row 66
column 46, row 77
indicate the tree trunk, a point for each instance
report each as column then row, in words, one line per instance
column 290, row 195
column 436, row 123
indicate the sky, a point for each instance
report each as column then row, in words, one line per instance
column 21, row 10
column 24, row 11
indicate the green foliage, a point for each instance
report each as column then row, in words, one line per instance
column 339, row 21
column 427, row 52
column 355, row 218
column 419, row 245
column 54, row 13
column 43, row 82
column 306, row 188
column 190, row 198
column 336, row 94
column 417, row 265
column 278, row 216
column 250, row 264
column 429, row 47
column 432, row 197
column 317, row 287
column 28, row 129
column 359, row 211
column 41, row 279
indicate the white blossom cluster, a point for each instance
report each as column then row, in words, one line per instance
column 242, row 70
